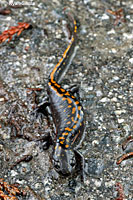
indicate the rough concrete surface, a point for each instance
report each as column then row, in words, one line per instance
column 102, row 68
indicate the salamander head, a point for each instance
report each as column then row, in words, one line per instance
column 64, row 160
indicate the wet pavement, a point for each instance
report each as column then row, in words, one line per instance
column 102, row 68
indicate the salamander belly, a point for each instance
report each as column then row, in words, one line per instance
column 68, row 117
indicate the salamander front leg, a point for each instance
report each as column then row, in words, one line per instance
column 46, row 141
column 43, row 107
column 41, row 111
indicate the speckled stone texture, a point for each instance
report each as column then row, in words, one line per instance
column 102, row 68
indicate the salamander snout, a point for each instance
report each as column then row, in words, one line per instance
column 64, row 161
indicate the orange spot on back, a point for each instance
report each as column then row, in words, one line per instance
column 57, row 85
column 72, row 39
column 74, row 22
column 79, row 117
column 79, row 107
column 67, row 93
column 54, row 88
column 73, row 110
column 68, row 129
column 66, row 145
column 69, row 122
column 61, row 138
column 74, row 126
column 62, row 90
column 72, row 118
column 69, row 100
column 65, row 133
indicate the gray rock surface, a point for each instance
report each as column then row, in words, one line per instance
column 102, row 68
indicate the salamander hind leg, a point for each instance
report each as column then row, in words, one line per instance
column 80, row 164
column 74, row 90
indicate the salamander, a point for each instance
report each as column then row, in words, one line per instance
column 67, row 113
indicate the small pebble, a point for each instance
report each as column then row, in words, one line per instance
column 131, row 60
column 105, row 99
column 120, row 121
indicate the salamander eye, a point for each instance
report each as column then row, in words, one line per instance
column 56, row 165
column 73, row 161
